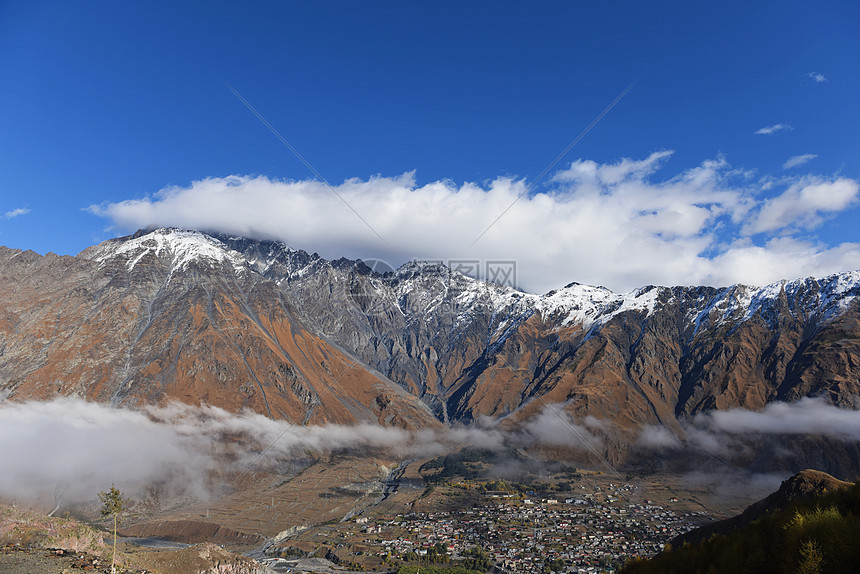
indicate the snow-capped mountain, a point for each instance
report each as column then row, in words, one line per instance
column 170, row 313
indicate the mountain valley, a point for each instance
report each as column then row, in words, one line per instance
column 314, row 393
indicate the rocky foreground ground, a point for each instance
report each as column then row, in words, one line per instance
column 199, row 559
column 17, row 559
column 33, row 543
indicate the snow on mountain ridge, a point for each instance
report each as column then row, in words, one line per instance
column 741, row 302
column 427, row 288
column 587, row 305
column 183, row 245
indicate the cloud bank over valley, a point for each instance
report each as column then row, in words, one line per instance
column 71, row 448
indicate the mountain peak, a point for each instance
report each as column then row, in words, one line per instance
column 805, row 485
column 181, row 246
column 575, row 304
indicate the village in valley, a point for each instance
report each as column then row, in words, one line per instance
column 584, row 522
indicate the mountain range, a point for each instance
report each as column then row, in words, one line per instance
column 169, row 314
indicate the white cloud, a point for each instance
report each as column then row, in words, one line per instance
column 806, row 416
column 78, row 448
column 613, row 174
column 797, row 160
column 733, row 431
column 554, row 426
column 767, row 130
column 804, row 204
column 611, row 224
column 657, row 437
column 16, row 212
column 819, row 78
column 780, row 257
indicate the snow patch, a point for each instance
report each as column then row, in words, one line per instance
column 431, row 290
column 182, row 246
column 588, row 306
column 741, row 303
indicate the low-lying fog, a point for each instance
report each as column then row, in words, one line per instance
column 78, row 448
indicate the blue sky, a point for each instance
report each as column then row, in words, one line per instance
column 110, row 112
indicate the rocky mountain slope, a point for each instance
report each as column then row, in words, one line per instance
column 161, row 317
column 805, row 486
column 470, row 348
column 808, row 525
column 240, row 323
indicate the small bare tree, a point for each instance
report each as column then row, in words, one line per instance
column 113, row 505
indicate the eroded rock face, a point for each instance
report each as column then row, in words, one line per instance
column 141, row 324
column 171, row 314
column 473, row 349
